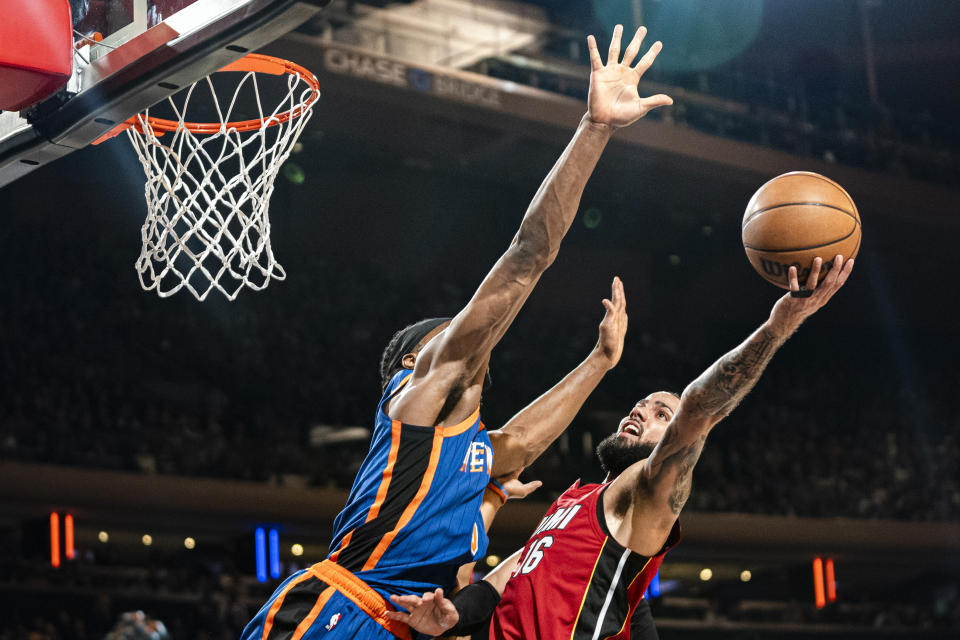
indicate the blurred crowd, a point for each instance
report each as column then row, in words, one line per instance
column 800, row 444
column 782, row 113
column 208, row 599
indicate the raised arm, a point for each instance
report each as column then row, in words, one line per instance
column 657, row 488
column 525, row 436
column 454, row 364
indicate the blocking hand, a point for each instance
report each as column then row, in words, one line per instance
column 614, row 99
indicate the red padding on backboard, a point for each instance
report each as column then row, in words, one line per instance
column 36, row 50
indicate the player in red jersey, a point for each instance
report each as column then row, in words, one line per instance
column 584, row 570
column 412, row 517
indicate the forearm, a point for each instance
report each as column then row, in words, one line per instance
column 499, row 577
column 493, row 498
column 555, row 204
column 719, row 389
column 528, row 434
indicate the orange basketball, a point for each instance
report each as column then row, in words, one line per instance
column 794, row 218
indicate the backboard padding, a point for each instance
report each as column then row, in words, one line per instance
column 202, row 37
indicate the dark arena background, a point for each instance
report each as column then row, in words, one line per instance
column 181, row 458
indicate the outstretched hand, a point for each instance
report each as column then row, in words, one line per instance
column 515, row 488
column 614, row 99
column 432, row 614
column 613, row 327
column 799, row 304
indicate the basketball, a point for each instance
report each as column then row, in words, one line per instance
column 795, row 218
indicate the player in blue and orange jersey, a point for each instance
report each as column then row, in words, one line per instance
column 412, row 517
column 583, row 572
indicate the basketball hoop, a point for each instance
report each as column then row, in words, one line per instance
column 209, row 184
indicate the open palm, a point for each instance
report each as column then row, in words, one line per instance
column 431, row 614
column 614, row 99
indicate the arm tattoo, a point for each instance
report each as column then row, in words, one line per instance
column 715, row 393
column 674, row 454
column 721, row 387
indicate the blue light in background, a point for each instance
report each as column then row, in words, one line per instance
column 274, row 554
column 696, row 34
column 654, row 588
column 260, row 548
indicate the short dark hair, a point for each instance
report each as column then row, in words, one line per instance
column 402, row 343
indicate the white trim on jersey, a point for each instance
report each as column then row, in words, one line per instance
column 613, row 588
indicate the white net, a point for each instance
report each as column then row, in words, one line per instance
column 208, row 194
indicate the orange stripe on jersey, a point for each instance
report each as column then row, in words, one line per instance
column 304, row 625
column 460, row 427
column 587, row 588
column 438, row 433
column 395, row 427
column 278, row 602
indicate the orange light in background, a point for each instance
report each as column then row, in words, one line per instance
column 818, row 583
column 831, row 581
column 68, row 549
column 55, row 539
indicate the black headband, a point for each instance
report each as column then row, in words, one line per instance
column 410, row 337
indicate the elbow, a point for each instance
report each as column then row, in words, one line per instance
column 529, row 454
column 516, row 449
column 525, row 453
column 532, row 256
column 697, row 400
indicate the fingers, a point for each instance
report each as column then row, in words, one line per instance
column 634, row 47
column 814, row 276
column 649, row 57
column 619, row 297
column 839, row 272
column 399, row 616
column 609, row 306
column 407, row 602
column 531, row 486
column 596, row 63
column 659, row 100
column 614, row 54
column 846, row 271
column 792, row 279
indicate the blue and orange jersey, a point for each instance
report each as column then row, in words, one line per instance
column 413, row 515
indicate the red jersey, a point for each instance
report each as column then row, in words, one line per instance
column 573, row 580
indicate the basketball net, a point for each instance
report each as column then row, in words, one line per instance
column 208, row 185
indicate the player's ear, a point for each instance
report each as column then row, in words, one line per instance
column 408, row 360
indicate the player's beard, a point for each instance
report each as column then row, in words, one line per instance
column 615, row 456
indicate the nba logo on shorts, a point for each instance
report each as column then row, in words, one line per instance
column 334, row 619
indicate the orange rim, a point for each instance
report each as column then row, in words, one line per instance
column 252, row 62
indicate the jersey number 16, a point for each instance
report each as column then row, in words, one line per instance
column 534, row 556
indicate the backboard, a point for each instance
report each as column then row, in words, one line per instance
column 131, row 54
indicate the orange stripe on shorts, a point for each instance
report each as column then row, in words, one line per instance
column 268, row 624
column 304, row 625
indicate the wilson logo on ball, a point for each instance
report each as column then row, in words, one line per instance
column 795, row 218
column 779, row 270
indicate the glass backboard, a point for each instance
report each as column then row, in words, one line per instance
column 131, row 54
